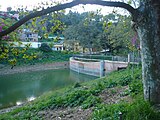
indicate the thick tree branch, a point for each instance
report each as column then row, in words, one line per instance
column 64, row 6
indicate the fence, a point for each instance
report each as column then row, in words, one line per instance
column 130, row 58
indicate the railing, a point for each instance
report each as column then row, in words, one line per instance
column 129, row 58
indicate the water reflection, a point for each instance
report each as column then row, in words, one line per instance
column 31, row 99
column 19, row 103
column 17, row 88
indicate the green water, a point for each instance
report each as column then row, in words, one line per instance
column 18, row 88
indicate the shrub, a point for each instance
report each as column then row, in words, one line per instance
column 108, row 112
column 136, row 87
column 141, row 110
column 125, row 80
column 111, row 83
column 45, row 47
column 138, row 110
column 77, row 84
column 91, row 101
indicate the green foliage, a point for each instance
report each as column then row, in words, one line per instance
column 111, row 83
column 138, row 110
column 91, row 101
column 97, row 88
column 141, row 110
column 12, row 55
column 33, row 56
column 108, row 112
column 93, row 30
column 45, row 47
column 43, row 25
column 136, row 87
column 125, row 80
column 77, row 84
column 85, row 31
column 116, row 34
column 76, row 98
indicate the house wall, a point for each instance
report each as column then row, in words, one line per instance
column 29, row 37
column 33, row 44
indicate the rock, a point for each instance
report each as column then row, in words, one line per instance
column 69, row 116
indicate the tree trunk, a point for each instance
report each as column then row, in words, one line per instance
column 149, row 33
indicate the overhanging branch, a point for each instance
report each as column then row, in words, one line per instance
column 64, row 6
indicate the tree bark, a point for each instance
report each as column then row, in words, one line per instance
column 149, row 34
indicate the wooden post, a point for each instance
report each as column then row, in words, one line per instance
column 102, row 67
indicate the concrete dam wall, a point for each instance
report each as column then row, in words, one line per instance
column 95, row 67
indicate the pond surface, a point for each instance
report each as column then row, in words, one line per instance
column 20, row 87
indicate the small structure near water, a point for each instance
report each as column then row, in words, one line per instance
column 95, row 67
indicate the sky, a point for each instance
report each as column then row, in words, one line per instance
column 30, row 3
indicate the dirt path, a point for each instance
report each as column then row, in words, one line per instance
column 29, row 68
column 76, row 113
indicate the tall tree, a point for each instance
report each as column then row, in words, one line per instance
column 146, row 22
column 85, row 31
column 117, row 34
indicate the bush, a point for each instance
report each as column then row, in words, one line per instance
column 125, row 80
column 91, row 101
column 108, row 112
column 136, row 87
column 45, row 47
column 138, row 110
column 141, row 110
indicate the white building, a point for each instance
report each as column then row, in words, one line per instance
column 28, row 36
column 56, row 46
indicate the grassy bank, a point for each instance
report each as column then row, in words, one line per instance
column 106, row 98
